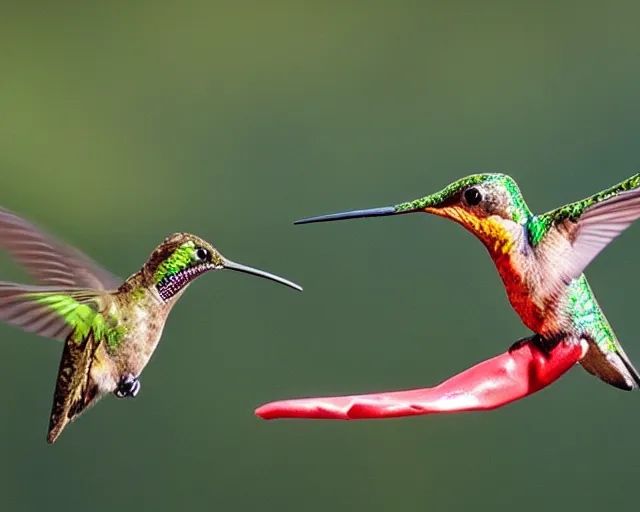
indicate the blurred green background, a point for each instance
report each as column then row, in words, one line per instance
column 121, row 123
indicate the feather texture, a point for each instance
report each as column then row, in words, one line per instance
column 49, row 261
column 576, row 233
column 75, row 391
column 51, row 312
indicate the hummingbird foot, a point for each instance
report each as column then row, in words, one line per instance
column 521, row 343
column 544, row 345
column 128, row 387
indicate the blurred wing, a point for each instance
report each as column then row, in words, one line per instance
column 583, row 229
column 48, row 311
column 48, row 260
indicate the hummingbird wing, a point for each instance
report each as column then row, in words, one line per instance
column 570, row 237
column 55, row 312
column 81, row 318
column 48, row 260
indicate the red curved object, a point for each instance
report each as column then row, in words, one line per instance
column 488, row 385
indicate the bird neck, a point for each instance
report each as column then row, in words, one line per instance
column 501, row 237
column 140, row 288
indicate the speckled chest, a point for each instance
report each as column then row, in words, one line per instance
column 144, row 320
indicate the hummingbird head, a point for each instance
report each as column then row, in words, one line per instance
column 485, row 204
column 183, row 257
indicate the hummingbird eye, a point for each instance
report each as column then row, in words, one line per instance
column 202, row 254
column 472, row 196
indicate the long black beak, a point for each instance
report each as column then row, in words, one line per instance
column 231, row 265
column 355, row 214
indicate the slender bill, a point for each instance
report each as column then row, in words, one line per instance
column 231, row 265
column 356, row 214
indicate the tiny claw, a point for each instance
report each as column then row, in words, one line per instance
column 544, row 345
column 128, row 387
column 517, row 345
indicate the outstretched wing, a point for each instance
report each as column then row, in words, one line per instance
column 572, row 236
column 55, row 312
column 48, row 260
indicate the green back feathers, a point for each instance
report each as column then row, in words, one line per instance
column 73, row 287
column 573, row 212
column 567, row 239
column 81, row 317
column 59, row 312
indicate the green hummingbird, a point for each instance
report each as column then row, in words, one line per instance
column 541, row 258
column 110, row 328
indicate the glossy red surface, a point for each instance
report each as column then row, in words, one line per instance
column 490, row 384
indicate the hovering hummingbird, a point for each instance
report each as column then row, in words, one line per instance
column 541, row 259
column 110, row 327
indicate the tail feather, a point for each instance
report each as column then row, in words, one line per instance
column 75, row 391
column 614, row 368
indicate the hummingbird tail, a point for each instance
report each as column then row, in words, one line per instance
column 59, row 421
column 75, row 389
column 614, row 368
column 630, row 368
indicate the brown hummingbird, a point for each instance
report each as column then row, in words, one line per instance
column 110, row 328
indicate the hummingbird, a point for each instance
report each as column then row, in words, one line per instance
column 110, row 327
column 540, row 259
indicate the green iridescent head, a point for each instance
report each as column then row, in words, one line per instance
column 467, row 201
column 183, row 257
